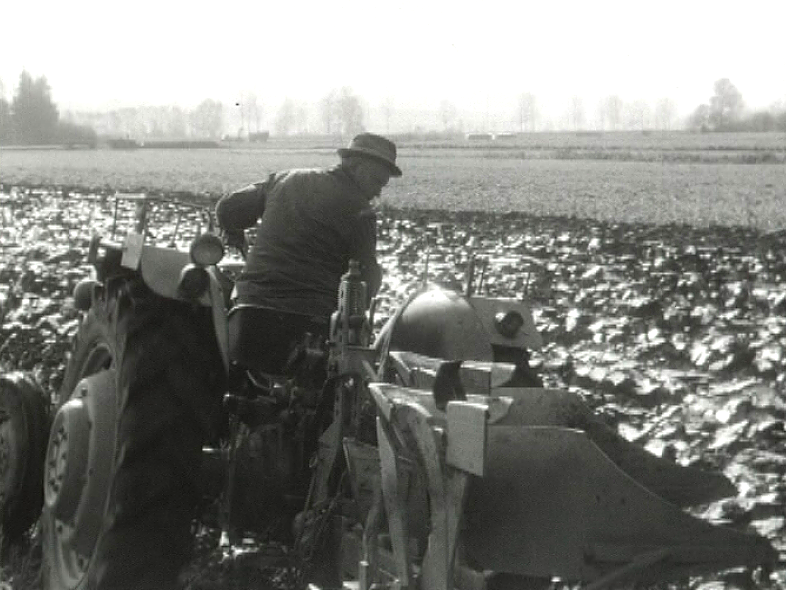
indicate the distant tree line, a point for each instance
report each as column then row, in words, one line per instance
column 611, row 113
column 725, row 111
column 339, row 112
column 32, row 118
column 205, row 121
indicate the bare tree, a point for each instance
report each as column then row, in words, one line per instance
column 447, row 114
column 164, row 121
column 250, row 111
column 327, row 111
column 350, row 111
column 576, row 113
column 257, row 112
column 207, row 120
column 611, row 108
column 6, row 129
column 387, row 112
column 243, row 108
column 129, row 122
column 665, row 113
column 285, row 119
column 700, row 118
column 600, row 116
column 250, row 105
column 342, row 112
column 5, row 120
column 154, row 117
column 177, row 123
column 301, row 118
column 637, row 115
column 253, row 111
column 527, row 111
column 726, row 105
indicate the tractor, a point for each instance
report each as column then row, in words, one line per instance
column 427, row 455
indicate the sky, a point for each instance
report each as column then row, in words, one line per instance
column 480, row 55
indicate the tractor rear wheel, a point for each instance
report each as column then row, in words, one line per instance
column 140, row 395
column 23, row 432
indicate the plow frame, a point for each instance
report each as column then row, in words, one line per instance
column 453, row 454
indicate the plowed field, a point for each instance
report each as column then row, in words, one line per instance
column 675, row 332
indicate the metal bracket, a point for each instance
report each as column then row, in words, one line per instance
column 467, row 435
column 447, row 481
column 132, row 251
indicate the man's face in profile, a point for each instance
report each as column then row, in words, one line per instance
column 372, row 176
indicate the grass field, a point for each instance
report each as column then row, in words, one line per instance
column 678, row 178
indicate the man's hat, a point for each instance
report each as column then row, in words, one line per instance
column 374, row 146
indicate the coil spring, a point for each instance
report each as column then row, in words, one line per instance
column 355, row 298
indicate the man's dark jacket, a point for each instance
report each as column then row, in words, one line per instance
column 311, row 222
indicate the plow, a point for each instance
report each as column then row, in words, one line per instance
column 427, row 455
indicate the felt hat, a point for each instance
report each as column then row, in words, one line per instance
column 373, row 146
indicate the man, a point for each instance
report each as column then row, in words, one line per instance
column 311, row 222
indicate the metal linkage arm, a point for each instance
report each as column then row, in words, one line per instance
column 405, row 428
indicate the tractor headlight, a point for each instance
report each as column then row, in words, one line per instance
column 84, row 293
column 194, row 281
column 206, row 250
column 508, row 323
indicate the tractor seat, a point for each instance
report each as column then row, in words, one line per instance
column 262, row 338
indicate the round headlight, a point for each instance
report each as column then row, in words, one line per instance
column 84, row 293
column 206, row 250
column 194, row 281
column 508, row 323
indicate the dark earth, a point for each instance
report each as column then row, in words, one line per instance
column 676, row 335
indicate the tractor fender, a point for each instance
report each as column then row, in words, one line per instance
column 160, row 269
